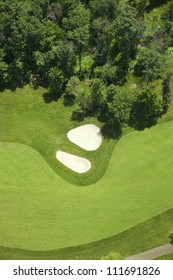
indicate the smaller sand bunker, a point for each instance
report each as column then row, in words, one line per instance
column 87, row 137
column 75, row 163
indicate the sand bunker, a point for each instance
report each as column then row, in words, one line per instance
column 87, row 136
column 77, row 164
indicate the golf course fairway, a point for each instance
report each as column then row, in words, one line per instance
column 39, row 210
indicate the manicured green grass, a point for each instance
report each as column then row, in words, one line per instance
column 41, row 211
column 147, row 235
column 26, row 118
column 165, row 257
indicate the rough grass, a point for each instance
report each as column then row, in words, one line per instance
column 165, row 257
column 55, row 213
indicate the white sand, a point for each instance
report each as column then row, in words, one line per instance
column 87, row 136
column 77, row 164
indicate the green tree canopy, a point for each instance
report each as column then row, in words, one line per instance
column 149, row 64
column 146, row 109
column 77, row 27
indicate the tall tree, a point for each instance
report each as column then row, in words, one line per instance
column 139, row 5
column 166, row 94
column 77, row 26
column 146, row 109
column 103, row 8
column 123, row 36
column 149, row 64
column 167, row 18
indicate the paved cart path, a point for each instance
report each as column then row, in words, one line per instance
column 153, row 253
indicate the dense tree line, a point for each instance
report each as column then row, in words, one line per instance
column 85, row 49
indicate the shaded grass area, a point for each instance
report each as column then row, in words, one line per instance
column 169, row 114
column 147, row 235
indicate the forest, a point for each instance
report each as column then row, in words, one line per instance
column 86, row 51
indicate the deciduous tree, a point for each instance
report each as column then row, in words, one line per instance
column 146, row 109
column 149, row 64
column 77, row 26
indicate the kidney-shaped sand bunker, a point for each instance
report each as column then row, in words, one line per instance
column 77, row 164
column 87, row 136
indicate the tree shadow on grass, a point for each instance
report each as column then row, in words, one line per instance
column 156, row 3
column 171, row 238
column 77, row 116
column 111, row 131
column 80, row 115
column 11, row 86
column 68, row 100
column 50, row 97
